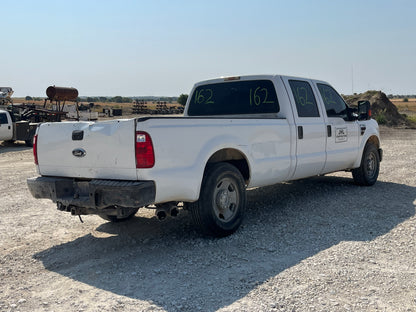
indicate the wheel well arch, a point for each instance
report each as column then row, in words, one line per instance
column 373, row 140
column 234, row 157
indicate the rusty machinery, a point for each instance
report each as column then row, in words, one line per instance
column 34, row 113
column 60, row 95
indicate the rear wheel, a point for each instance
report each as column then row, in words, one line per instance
column 113, row 218
column 368, row 171
column 219, row 210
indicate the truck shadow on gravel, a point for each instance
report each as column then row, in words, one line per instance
column 13, row 147
column 172, row 266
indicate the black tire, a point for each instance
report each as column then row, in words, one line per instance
column 222, row 200
column 368, row 171
column 114, row 219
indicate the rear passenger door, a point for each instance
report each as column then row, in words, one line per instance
column 310, row 128
column 343, row 131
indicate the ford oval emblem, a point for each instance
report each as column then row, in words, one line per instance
column 79, row 152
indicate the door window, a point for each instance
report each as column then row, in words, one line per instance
column 304, row 98
column 3, row 118
column 334, row 104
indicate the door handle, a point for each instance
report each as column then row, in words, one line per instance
column 300, row 132
column 329, row 130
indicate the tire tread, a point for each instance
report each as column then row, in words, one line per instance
column 359, row 175
column 200, row 212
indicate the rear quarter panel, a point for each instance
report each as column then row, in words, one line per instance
column 184, row 145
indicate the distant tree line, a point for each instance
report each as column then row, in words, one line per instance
column 29, row 98
column 396, row 96
column 182, row 99
column 122, row 99
column 115, row 99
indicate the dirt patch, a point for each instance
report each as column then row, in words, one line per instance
column 383, row 110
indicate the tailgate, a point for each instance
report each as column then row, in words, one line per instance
column 102, row 150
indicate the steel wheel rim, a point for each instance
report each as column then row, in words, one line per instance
column 225, row 200
column 371, row 167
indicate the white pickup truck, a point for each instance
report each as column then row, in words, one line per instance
column 236, row 133
column 11, row 130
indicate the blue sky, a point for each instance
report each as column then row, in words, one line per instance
column 161, row 48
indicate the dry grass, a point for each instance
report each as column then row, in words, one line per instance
column 410, row 105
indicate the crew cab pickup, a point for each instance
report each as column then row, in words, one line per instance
column 11, row 130
column 236, row 133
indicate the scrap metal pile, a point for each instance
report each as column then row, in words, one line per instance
column 5, row 95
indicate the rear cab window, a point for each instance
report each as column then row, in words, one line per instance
column 234, row 98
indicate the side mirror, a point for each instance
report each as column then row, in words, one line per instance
column 364, row 110
column 352, row 113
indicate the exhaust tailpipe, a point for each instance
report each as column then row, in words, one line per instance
column 161, row 214
column 165, row 210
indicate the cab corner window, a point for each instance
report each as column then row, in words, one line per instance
column 334, row 104
column 304, row 98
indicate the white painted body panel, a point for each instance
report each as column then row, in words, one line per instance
column 310, row 151
column 183, row 146
column 372, row 130
column 6, row 127
column 109, row 147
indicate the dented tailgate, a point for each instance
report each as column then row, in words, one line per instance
column 103, row 150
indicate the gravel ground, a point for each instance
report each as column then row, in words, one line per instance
column 320, row 244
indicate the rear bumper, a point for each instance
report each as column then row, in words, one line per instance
column 95, row 194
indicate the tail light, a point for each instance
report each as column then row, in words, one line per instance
column 35, row 149
column 145, row 156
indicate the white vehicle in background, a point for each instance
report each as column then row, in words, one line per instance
column 236, row 133
column 11, row 130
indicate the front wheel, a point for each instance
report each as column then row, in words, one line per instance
column 219, row 210
column 368, row 171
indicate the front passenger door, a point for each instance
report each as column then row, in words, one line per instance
column 343, row 131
